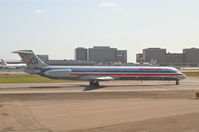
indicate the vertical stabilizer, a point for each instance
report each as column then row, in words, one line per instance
column 30, row 59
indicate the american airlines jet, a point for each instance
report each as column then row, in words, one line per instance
column 94, row 74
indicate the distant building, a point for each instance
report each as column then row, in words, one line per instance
column 160, row 57
column 70, row 62
column 101, row 55
column 121, row 56
column 174, row 59
column 139, row 58
column 81, row 54
column 44, row 58
column 154, row 55
column 191, row 56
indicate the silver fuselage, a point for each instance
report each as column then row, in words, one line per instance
column 116, row 72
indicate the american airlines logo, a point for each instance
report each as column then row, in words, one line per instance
column 33, row 61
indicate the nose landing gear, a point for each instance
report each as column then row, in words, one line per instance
column 177, row 81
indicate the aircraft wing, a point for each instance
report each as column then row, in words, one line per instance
column 104, row 78
column 100, row 78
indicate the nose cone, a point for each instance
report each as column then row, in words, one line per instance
column 182, row 76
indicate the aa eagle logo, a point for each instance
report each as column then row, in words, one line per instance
column 33, row 61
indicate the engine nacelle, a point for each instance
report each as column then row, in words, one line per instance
column 60, row 74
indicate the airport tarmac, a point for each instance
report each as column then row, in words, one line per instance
column 117, row 106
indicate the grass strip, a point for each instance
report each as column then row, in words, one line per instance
column 191, row 73
column 27, row 78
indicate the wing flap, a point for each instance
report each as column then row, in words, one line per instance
column 104, row 78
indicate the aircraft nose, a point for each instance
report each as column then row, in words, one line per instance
column 182, row 76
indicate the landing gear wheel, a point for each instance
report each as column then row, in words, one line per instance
column 94, row 83
column 91, row 83
column 177, row 82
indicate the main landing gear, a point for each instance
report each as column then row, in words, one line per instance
column 94, row 83
column 177, row 81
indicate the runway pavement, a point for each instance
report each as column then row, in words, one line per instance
column 117, row 106
column 191, row 83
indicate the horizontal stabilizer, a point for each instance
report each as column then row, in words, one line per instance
column 23, row 52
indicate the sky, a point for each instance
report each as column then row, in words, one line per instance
column 57, row 27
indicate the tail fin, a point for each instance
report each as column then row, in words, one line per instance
column 3, row 62
column 30, row 59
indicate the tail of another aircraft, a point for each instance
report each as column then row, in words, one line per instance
column 30, row 59
column 3, row 62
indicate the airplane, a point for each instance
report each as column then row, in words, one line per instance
column 5, row 65
column 94, row 74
